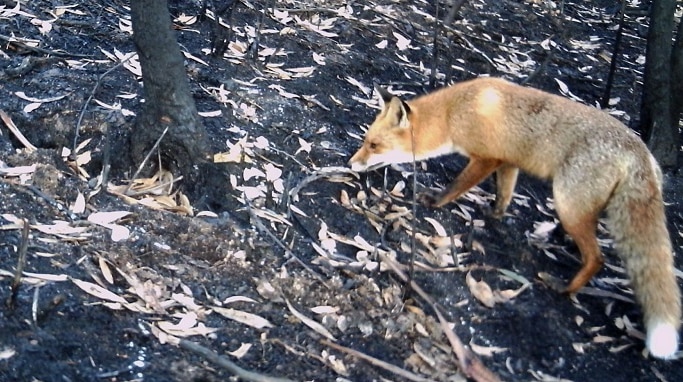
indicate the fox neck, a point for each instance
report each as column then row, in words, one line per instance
column 428, row 140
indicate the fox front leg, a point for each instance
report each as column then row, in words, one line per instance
column 506, row 179
column 476, row 171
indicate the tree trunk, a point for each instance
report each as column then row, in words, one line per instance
column 655, row 115
column 677, row 84
column 168, row 101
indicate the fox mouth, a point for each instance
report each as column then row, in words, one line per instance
column 366, row 168
column 376, row 166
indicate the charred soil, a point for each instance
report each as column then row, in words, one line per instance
column 278, row 248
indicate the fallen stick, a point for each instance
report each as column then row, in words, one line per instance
column 377, row 362
column 226, row 364
column 468, row 363
column 13, row 128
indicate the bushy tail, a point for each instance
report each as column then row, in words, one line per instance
column 638, row 223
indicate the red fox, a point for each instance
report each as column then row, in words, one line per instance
column 595, row 162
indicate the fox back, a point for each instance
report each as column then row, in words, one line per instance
column 490, row 117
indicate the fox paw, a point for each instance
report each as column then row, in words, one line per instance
column 429, row 199
column 554, row 283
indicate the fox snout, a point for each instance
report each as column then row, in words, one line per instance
column 358, row 161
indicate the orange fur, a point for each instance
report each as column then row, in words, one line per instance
column 595, row 163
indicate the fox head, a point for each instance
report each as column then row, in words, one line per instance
column 389, row 138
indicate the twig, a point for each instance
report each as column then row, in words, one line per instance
column 615, row 55
column 256, row 220
column 15, row 41
column 28, row 63
column 106, row 158
column 377, row 362
column 540, row 68
column 90, row 97
column 226, row 364
column 257, row 34
column 55, row 302
column 34, row 305
column 21, row 261
column 590, row 291
column 13, row 128
column 468, row 362
column 435, row 48
column 413, row 231
column 142, row 165
column 288, row 155
column 319, row 174
column 307, row 10
column 472, row 47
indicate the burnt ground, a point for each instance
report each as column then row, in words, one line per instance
column 279, row 248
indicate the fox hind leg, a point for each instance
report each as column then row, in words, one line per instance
column 582, row 230
column 578, row 203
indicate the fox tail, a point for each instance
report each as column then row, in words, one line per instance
column 637, row 222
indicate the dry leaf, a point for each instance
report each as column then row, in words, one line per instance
column 59, row 228
column 310, row 323
column 105, row 218
column 99, row 292
column 243, row 317
column 78, row 207
column 180, row 329
column 45, row 276
column 186, row 301
column 232, row 299
column 16, row 171
column 600, row 339
column 402, row 42
column 337, row 364
column 486, row 351
column 440, row 230
column 104, row 268
column 7, row 353
column 480, row 290
column 241, row 351
column 325, row 309
column 305, row 146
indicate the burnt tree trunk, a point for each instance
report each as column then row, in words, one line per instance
column 658, row 129
column 677, row 82
column 168, row 101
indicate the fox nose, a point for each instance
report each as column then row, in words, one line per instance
column 356, row 165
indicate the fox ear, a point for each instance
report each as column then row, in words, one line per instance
column 403, row 119
column 384, row 96
column 390, row 101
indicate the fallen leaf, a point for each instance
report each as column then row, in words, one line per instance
column 486, row 351
column 243, row 317
column 104, row 218
column 310, row 323
column 99, row 292
column 480, row 290
column 241, row 351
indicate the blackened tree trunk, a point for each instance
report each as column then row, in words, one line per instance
column 659, row 129
column 677, row 81
column 168, row 101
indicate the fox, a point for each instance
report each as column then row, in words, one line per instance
column 594, row 162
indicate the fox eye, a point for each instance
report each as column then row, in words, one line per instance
column 373, row 145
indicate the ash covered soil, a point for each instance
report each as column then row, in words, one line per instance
column 273, row 261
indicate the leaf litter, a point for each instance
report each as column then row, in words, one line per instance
column 332, row 268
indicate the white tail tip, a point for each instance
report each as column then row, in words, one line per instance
column 662, row 340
